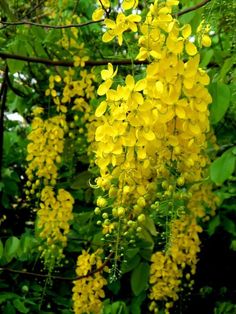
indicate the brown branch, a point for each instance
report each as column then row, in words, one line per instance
column 193, row 8
column 6, row 55
column 24, row 22
column 27, row 273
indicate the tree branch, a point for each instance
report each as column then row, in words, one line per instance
column 6, row 55
column 22, row 272
column 193, row 8
column 24, row 22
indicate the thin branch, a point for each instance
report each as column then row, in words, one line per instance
column 24, row 22
column 27, row 273
column 6, row 55
column 193, row 8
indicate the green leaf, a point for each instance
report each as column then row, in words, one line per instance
column 227, row 67
column 223, row 167
column 150, row 226
column 81, row 181
column 1, row 249
column 9, row 309
column 229, row 226
column 19, row 305
column 213, row 224
column 220, row 101
column 136, row 303
column 130, row 253
column 139, row 278
column 15, row 65
column 206, row 57
column 4, row 296
column 11, row 247
column 130, row 264
column 233, row 245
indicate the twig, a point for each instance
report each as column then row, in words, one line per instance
column 6, row 55
column 193, row 8
column 24, row 22
column 27, row 273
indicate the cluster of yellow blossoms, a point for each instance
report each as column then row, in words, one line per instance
column 151, row 133
column 45, row 147
column 88, row 290
column 168, row 268
column 54, row 216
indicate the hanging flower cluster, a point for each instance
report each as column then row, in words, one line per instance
column 44, row 150
column 180, row 260
column 54, row 216
column 149, row 145
column 88, row 290
column 48, row 139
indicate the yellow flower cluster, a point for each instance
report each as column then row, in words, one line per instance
column 88, row 290
column 121, row 25
column 54, row 215
column 76, row 92
column 168, row 268
column 151, row 134
column 45, row 147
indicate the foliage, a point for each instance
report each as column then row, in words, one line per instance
column 123, row 162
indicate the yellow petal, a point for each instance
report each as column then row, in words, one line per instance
column 194, row 128
column 104, row 87
column 97, row 14
column 110, row 23
column 101, row 109
column 150, row 136
column 107, row 74
column 206, row 41
column 108, row 36
column 155, row 54
column 190, row 48
column 129, row 81
column 186, row 31
column 129, row 4
column 140, row 85
column 159, row 87
column 180, row 112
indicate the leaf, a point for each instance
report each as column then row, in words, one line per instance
column 139, row 278
column 136, row 303
column 19, row 305
column 220, row 101
column 11, row 246
column 4, row 296
column 227, row 67
column 130, row 264
column 206, row 57
column 150, row 226
column 214, row 223
column 15, row 65
column 130, row 253
column 229, row 226
column 1, row 249
column 223, row 167
column 81, row 181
